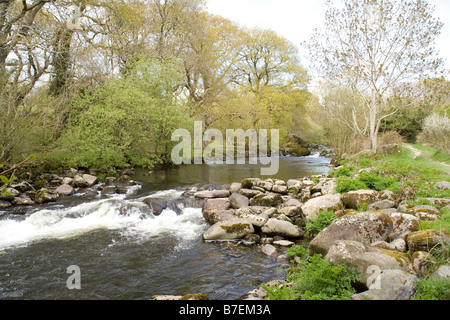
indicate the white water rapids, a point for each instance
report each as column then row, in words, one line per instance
column 132, row 218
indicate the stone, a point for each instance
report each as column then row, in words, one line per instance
column 260, row 293
column 424, row 212
column 9, row 194
column 392, row 285
column 269, row 250
column 217, row 204
column 229, row 230
column 212, row 194
column 282, row 189
column 387, row 195
column 235, row 187
column 380, row 205
column 79, row 182
column 442, row 185
column 290, row 211
column 275, row 227
column 266, row 200
column 440, row 202
column 283, row 243
column 5, row 204
column 215, row 216
column 330, row 202
column 157, row 206
column 366, row 258
column 442, row 273
column 238, row 201
column 267, row 185
column 251, row 215
column 364, row 227
column 403, row 224
column 65, row 190
column 108, row 190
column 23, row 200
column 418, row 259
column 425, row 240
column 355, row 199
column 248, row 183
column 249, row 193
column 396, row 245
column 45, row 196
column 67, row 180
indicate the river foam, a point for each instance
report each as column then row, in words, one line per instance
column 132, row 218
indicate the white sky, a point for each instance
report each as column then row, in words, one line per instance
column 296, row 19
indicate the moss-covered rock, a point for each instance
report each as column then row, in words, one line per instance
column 266, row 200
column 229, row 230
column 425, row 240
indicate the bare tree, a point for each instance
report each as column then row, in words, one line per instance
column 373, row 46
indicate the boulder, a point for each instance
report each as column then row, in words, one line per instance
column 425, row 240
column 45, row 196
column 266, row 200
column 249, row 193
column 442, row 185
column 157, row 206
column 65, row 190
column 78, row 181
column 275, row 227
column 290, row 211
column 235, row 187
column 215, row 216
column 9, row 194
column 403, row 224
column 257, row 218
column 229, row 230
column 238, row 201
column 392, row 285
column 212, row 194
column 248, row 183
column 366, row 258
column 387, row 195
column 294, row 185
column 23, row 200
column 424, row 212
column 90, row 179
column 5, row 204
column 330, row 202
column 269, row 250
column 355, row 199
column 217, row 204
column 381, row 205
column 266, row 185
column 364, row 227
column 440, row 202
column 396, row 245
column 442, row 273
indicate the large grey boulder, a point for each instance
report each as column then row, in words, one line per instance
column 266, row 200
column 329, row 202
column 355, row 199
column 275, row 227
column 366, row 259
column 364, row 227
column 229, row 230
column 390, row 285
column 212, row 194
column 238, row 201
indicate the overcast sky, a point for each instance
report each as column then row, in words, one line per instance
column 296, row 19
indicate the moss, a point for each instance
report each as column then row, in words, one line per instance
column 236, row 228
column 195, row 297
column 402, row 258
column 425, row 240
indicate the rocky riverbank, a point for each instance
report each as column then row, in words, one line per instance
column 383, row 242
column 40, row 188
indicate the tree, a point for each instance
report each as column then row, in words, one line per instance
column 373, row 46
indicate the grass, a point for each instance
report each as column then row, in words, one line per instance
column 434, row 153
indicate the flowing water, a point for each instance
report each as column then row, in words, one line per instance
column 124, row 252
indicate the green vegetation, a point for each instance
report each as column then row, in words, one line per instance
column 317, row 279
column 433, row 289
column 315, row 225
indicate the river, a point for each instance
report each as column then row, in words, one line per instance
column 126, row 257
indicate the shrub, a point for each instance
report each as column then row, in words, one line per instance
column 347, row 184
column 433, row 289
column 126, row 122
column 322, row 280
column 436, row 131
column 323, row 220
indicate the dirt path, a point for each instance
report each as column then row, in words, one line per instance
column 418, row 153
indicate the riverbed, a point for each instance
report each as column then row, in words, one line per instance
column 125, row 253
